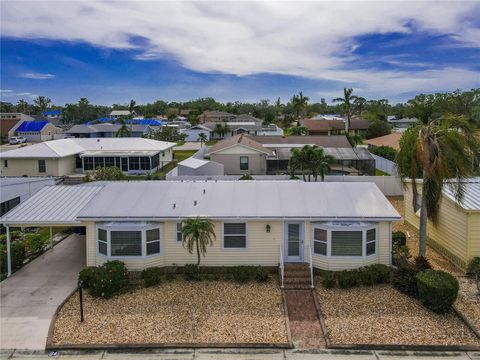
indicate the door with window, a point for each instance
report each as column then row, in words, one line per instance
column 294, row 240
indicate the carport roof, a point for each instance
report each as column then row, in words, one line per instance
column 52, row 205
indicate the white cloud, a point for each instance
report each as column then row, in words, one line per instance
column 2, row 91
column 307, row 39
column 36, row 76
column 17, row 95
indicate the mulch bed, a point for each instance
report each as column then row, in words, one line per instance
column 177, row 312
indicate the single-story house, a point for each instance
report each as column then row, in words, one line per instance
column 199, row 167
column 250, row 128
column 270, row 155
column 194, row 131
column 73, row 155
column 457, row 233
column 335, row 127
column 106, row 130
column 121, row 113
column 215, row 116
column 403, row 123
column 52, row 113
column 391, row 140
column 341, row 225
column 36, row 131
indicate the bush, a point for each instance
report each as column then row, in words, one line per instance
column 191, row 272
column 437, row 290
column 35, row 243
column 262, row 274
column 242, row 274
column 422, row 263
column 404, row 279
column 382, row 274
column 87, row 275
column 109, row 279
column 399, row 238
column 246, row 177
column 348, row 279
column 152, row 276
column 329, row 281
column 400, row 255
column 17, row 256
column 384, row 151
column 473, row 267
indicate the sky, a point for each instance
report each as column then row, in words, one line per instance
column 114, row 51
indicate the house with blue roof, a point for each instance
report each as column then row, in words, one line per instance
column 52, row 113
column 36, row 131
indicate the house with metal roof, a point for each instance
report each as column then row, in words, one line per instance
column 193, row 133
column 335, row 127
column 457, row 232
column 106, row 130
column 236, row 128
column 74, row 155
column 332, row 226
column 36, row 131
column 52, row 113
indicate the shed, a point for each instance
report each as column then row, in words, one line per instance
column 199, row 167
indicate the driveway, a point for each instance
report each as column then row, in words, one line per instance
column 30, row 297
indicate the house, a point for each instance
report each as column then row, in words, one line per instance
column 403, row 123
column 328, row 117
column 106, row 130
column 270, row 155
column 341, row 225
column 199, row 167
column 121, row 113
column 9, row 122
column 457, row 232
column 391, row 140
column 36, row 131
column 69, row 156
column 335, row 127
column 215, row 116
column 194, row 131
column 235, row 128
column 52, row 113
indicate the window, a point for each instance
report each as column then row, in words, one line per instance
column 109, row 161
column 102, row 241
column 78, row 162
column 88, row 163
column 144, row 163
column 5, row 163
column 153, row 241
column 371, row 241
column 346, row 243
column 179, row 232
column 243, row 162
column 155, row 161
column 42, row 166
column 99, row 162
column 134, row 163
column 126, row 243
column 320, row 241
column 235, row 235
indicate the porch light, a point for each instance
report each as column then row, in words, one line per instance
column 267, row 228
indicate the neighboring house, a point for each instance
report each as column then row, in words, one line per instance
column 240, row 155
column 52, row 113
column 193, row 132
column 328, row 117
column 402, row 124
column 250, row 128
column 215, row 116
column 342, row 225
column 457, row 233
column 106, row 130
column 121, row 113
column 391, row 140
column 15, row 190
column 9, row 122
column 270, row 155
column 199, row 167
column 335, row 127
column 185, row 113
column 69, row 156
column 36, row 131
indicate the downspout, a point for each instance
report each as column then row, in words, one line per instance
column 390, row 260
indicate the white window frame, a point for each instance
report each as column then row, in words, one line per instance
column 352, row 226
column 246, row 236
column 176, row 232
column 153, row 241
column 142, row 227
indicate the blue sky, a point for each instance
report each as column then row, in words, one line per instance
column 113, row 52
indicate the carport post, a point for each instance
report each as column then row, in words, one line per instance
column 51, row 238
column 9, row 259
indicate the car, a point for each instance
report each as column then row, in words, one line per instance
column 17, row 140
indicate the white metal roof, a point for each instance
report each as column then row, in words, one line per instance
column 120, row 112
column 73, row 146
column 52, row 205
column 193, row 163
column 471, row 196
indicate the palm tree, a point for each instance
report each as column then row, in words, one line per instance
column 298, row 130
column 124, row 130
column 22, row 106
column 132, row 106
column 359, row 105
column 301, row 159
column 198, row 233
column 440, row 152
column 321, row 163
column 202, row 138
column 347, row 101
column 299, row 103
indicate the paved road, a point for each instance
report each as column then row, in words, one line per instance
column 30, row 297
column 215, row 354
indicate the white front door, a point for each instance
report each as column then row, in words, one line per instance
column 294, row 240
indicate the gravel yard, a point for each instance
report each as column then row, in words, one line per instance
column 178, row 312
column 468, row 302
column 382, row 315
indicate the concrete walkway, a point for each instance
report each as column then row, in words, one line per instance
column 239, row 354
column 30, row 297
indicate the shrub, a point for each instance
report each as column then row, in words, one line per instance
column 110, row 279
column 87, row 275
column 400, row 255
column 329, row 281
column 242, row 274
column 473, row 266
column 35, row 243
column 399, row 238
column 404, row 279
column 152, row 276
column 348, row 279
column 384, row 151
column 382, row 274
column 422, row 263
column 366, row 276
column 262, row 274
column 437, row 290
column 246, row 177
column 191, row 272
column 17, row 256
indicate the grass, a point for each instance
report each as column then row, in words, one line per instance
column 379, row 172
column 181, row 155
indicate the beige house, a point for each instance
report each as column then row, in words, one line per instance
column 457, row 234
column 69, row 156
column 332, row 226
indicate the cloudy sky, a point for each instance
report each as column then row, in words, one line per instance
column 111, row 52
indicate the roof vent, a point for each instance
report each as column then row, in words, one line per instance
column 98, row 140
column 195, row 203
column 204, row 191
column 174, row 205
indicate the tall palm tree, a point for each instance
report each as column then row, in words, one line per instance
column 124, row 130
column 298, row 130
column 302, row 160
column 202, row 138
column 347, row 102
column 441, row 153
column 219, row 130
column 321, row 163
column 132, row 106
column 198, row 233
column 299, row 103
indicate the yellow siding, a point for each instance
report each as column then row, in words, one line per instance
column 474, row 235
column 29, row 167
column 450, row 234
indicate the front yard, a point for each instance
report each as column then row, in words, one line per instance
column 178, row 312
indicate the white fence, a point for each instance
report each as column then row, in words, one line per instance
column 385, row 165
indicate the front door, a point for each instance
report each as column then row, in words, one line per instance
column 294, row 235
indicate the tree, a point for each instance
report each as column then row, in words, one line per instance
column 124, row 130
column 299, row 103
column 384, row 151
column 42, row 103
column 198, row 233
column 440, row 152
column 346, row 103
column 167, row 133
column 321, row 163
column 132, row 105
column 109, row 173
column 378, row 128
column 311, row 161
column 202, row 138
column 22, row 106
column 219, row 130
column 297, row 130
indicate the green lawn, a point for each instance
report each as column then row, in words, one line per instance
column 181, row 155
column 379, row 172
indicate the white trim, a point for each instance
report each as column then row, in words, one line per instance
column 175, row 233
column 246, row 236
column 239, row 144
